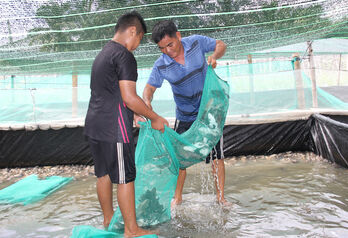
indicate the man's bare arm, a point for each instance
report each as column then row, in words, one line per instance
column 219, row 51
column 137, row 105
column 149, row 90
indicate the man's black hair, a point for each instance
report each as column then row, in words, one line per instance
column 131, row 19
column 163, row 28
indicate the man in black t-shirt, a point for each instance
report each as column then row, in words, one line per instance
column 113, row 105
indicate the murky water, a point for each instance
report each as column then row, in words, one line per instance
column 277, row 196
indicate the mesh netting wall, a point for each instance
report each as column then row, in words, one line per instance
column 64, row 36
column 257, row 90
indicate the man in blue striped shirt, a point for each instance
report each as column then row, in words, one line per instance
column 184, row 66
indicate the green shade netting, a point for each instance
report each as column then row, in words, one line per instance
column 159, row 156
column 64, row 37
column 32, row 189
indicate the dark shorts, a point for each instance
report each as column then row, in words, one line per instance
column 114, row 159
column 216, row 153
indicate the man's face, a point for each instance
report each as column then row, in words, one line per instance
column 170, row 46
column 134, row 41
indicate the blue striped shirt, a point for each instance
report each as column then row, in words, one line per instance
column 187, row 80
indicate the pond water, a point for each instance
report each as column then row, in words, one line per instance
column 285, row 195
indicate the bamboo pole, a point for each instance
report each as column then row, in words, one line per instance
column 13, row 81
column 74, row 103
column 298, row 81
column 339, row 71
column 251, row 79
column 74, row 80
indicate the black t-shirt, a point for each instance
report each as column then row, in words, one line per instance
column 108, row 118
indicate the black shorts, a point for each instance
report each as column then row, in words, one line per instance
column 216, row 153
column 114, row 159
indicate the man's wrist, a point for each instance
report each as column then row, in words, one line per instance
column 147, row 102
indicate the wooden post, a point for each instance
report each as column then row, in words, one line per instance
column 12, row 81
column 74, row 103
column 251, row 79
column 229, row 77
column 228, row 70
column 313, row 76
column 74, row 80
column 339, row 71
column 298, row 82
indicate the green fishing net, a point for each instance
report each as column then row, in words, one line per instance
column 32, row 189
column 159, row 156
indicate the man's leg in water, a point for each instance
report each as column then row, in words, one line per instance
column 104, row 192
column 179, row 187
column 126, row 201
column 219, row 179
column 180, row 127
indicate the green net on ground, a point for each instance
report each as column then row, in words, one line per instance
column 159, row 156
column 92, row 232
column 32, row 189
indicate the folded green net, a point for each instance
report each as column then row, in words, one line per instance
column 159, row 156
column 32, row 189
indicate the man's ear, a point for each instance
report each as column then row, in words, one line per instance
column 178, row 35
column 132, row 30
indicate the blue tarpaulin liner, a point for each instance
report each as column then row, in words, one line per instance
column 32, row 189
column 159, row 156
